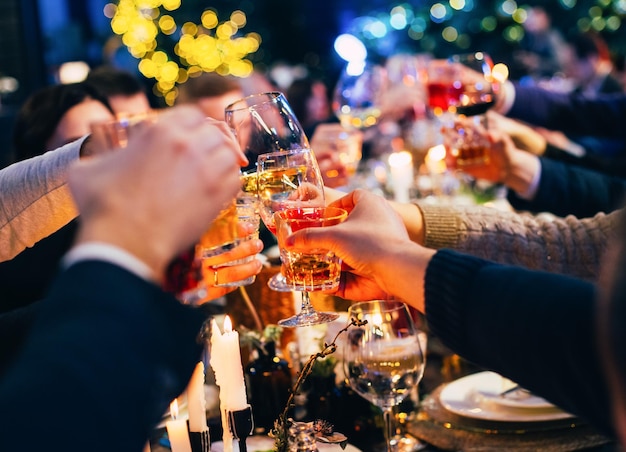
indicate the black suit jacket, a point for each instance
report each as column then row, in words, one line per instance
column 107, row 354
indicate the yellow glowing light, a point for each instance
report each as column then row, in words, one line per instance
column 171, row 5
column 457, row 4
column 500, row 72
column 209, row 46
column 520, row 15
column 239, row 18
column 450, row 34
column 209, row 19
column 189, row 28
column 167, row 24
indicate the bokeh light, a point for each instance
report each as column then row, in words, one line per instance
column 208, row 46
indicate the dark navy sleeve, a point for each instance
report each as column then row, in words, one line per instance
column 535, row 328
column 566, row 189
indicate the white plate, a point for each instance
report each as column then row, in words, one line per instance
column 263, row 443
column 477, row 396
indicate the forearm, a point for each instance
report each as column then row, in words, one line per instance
column 560, row 245
column 535, row 328
column 399, row 271
column 566, row 189
column 36, row 200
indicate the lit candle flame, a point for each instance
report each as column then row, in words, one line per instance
column 400, row 159
column 174, row 409
column 228, row 325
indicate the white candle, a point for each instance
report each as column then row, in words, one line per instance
column 401, row 166
column 196, row 404
column 226, row 363
column 177, row 431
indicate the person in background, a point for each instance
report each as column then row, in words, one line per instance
column 543, row 51
column 310, row 103
column 539, row 329
column 57, row 115
column 124, row 92
column 166, row 188
column 39, row 217
column 212, row 92
column 590, row 67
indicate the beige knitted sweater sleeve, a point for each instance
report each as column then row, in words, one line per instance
column 567, row 245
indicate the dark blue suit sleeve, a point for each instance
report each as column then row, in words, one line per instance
column 535, row 328
column 107, row 354
column 572, row 114
column 566, row 189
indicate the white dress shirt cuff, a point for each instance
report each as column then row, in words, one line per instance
column 108, row 253
column 507, row 99
column 530, row 193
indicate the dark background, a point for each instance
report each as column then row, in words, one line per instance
column 36, row 36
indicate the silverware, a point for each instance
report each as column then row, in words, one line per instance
column 523, row 392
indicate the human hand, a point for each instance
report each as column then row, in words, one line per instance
column 524, row 137
column 337, row 151
column 161, row 193
column 506, row 164
column 214, row 270
column 378, row 256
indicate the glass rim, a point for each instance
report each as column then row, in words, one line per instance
column 283, row 153
column 379, row 306
column 271, row 96
column 338, row 213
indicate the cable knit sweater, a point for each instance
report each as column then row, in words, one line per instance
column 567, row 245
column 35, row 200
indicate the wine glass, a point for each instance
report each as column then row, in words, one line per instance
column 357, row 95
column 476, row 96
column 383, row 359
column 265, row 123
column 310, row 270
column 475, row 82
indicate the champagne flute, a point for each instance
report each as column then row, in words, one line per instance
column 384, row 360
column 310, row 270
column 265, row 123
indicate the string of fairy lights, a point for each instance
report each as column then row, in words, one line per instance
column 215, row 44
column 208, row 46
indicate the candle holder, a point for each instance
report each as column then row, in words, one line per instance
column 241, row 425
column 200, row 441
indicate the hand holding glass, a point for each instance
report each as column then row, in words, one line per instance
column 310, row 270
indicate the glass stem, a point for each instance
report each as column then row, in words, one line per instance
column 306, row 308
column 388, row 418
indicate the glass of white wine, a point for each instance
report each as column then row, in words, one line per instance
column 265, row 123
column 384, row 360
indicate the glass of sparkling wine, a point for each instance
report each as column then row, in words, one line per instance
column 313, row 270
column 384, row 359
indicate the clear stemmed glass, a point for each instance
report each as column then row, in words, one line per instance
column 265, row 123
column 310, row 270
column 358, row 93
column 384, row 359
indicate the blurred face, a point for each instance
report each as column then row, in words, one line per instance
column 76, row 122
column 214, row 106
column 129, row 105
